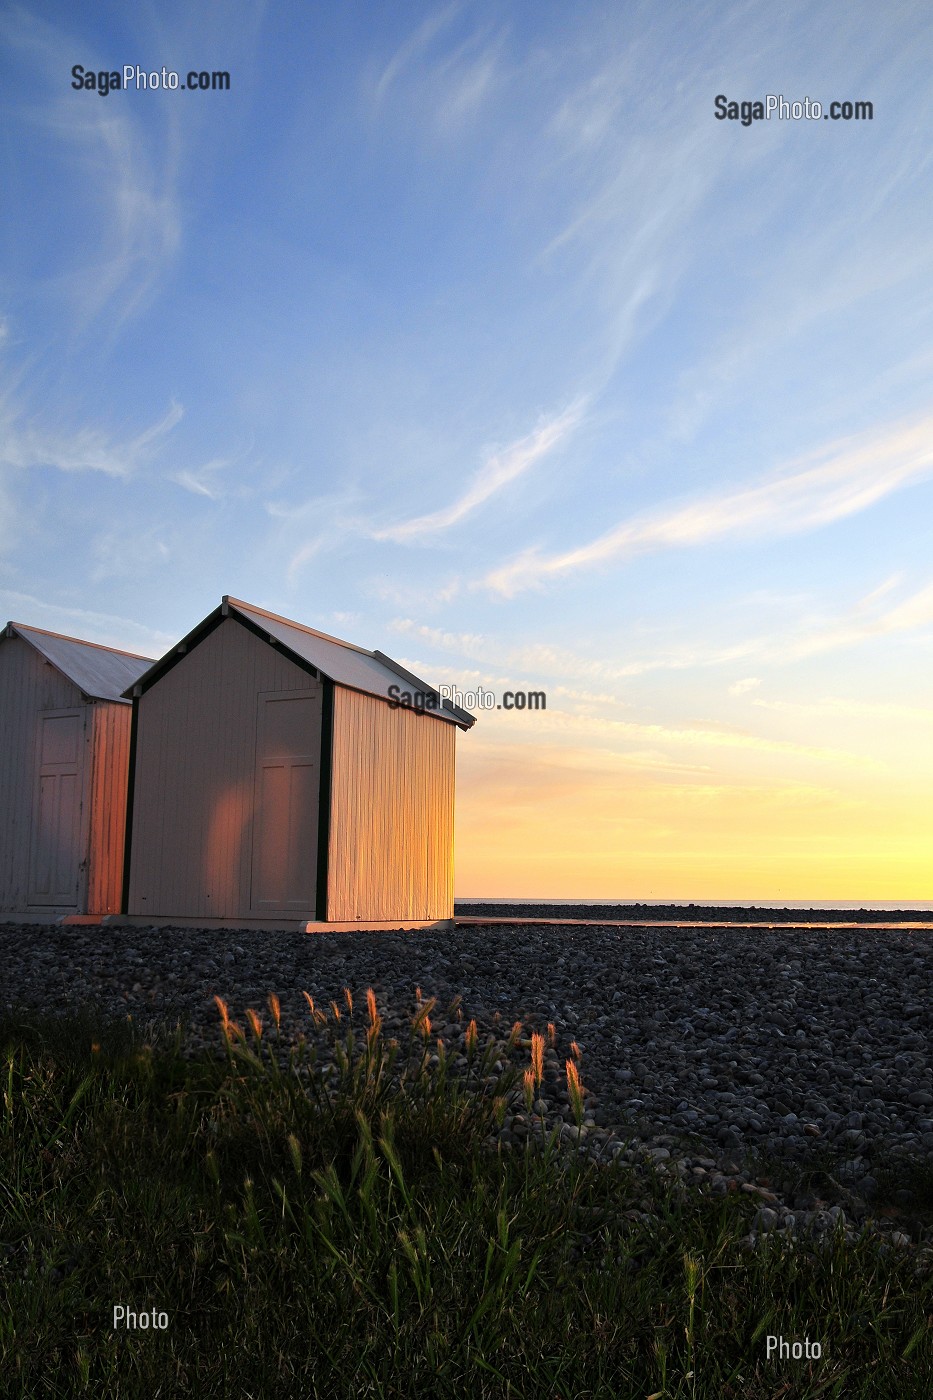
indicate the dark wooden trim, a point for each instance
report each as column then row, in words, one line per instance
column 178, row 653
column 461, row 717
column 281, row 647
column 128, row 830
column 324, row 797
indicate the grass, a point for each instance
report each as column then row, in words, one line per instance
column 353, row 1234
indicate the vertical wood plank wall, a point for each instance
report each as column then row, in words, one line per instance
column 28, row 685
column 392, row 812
column 194, row 780
column 106, row 797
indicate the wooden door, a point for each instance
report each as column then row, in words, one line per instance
column 285, row 807
column 55, row 847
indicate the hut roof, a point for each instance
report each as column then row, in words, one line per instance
column 371, row 672
column 100, row 673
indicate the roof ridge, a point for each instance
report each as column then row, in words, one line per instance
column 290, row 622
column 79, row 641
column 368, row 672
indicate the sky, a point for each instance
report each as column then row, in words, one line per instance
column 469, row 332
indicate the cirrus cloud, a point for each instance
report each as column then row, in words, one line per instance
column 840, row 480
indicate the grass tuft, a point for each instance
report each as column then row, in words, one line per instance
column 362, row 1231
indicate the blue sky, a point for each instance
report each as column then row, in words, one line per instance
column 468, row 332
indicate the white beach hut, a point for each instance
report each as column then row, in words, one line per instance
column 275, row 780
column 63, row 773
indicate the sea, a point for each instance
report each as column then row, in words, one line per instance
column 924, row 904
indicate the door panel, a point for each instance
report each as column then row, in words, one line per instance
column 284, row 867
column 55, row 862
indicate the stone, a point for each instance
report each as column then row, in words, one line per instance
column 695, row 1033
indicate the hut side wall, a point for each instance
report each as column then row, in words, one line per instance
column 392, row 812
column 194, row 780
column 29, row 685
column 106, row 800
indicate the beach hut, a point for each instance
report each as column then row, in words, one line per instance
column 63, row 774
column 281, row 777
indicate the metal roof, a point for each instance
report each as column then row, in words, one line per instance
column 341, row 662
column 100, row 673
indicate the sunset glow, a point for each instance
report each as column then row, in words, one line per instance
column 471, row 333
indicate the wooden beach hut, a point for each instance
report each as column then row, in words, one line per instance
column 63, row 774
column 277, row 780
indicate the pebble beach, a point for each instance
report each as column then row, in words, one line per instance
column 698, row 1048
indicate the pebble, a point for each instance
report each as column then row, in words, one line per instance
column 696, row 1046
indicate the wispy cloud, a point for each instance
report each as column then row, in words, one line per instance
column 448, row 78
column 318, row 525
column 311, row 548
column 202, row 481
column 469, row 644
column 514, row 771
column 79, row 450
column 840, row 707
column 402, row 593
column 805, row 637
column 586, row 697
column 407, row 54
column 130, row 189
column 499, row 765
column 910, row 615
column 808, row 635
column 698, row 734
column 850, row 477
column 325, row 523
column 537, row 660
column 26, row 445
column 499, row 470
column 142, row 223
column 108, row 629
column 120, row 555
column 195, row 484
column 545, row 660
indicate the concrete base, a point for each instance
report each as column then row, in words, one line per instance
column 280, row 925
column 48, row 916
